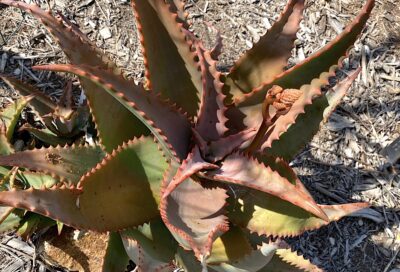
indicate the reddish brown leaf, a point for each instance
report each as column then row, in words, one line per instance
column 269, row 55
column 211, row 117
column 194, row 215
column 335, row 95
column 159, row 25
column 171, row 128
column 248, row 172
column 68, row 163
column 190, row 166
column 79, row 51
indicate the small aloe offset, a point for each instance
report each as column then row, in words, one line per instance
column 191, row 168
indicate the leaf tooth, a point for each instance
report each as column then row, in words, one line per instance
column 310, row 92
column 262, row 88
column 290, row 5
column 190, row 166
column 111, row 87
column 109, row 157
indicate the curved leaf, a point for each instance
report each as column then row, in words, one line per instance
column 128, row 180
column 116, row 259
column 286, row 260
column 46, row 136
column 230, row 247
column 143, row 260
column 248, row 172
column 123, row 126
column 211, row 117
column 9, row 219
column 253, row 262
column 306, row 71
column 36, row 180
column 266, row 214
column 194, row 215
column 171, row 128
column 155, row 239
column 11, row 113
column 269, row 55
column 304, row 119
column 172, row 71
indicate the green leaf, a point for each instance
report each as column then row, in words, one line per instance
column 252, row 262
column 32, row 222
column 36, row 179
column 154, row 238
column 172, row 71
column 248, row 172
column 116, row 259
column 232, row 246
column 47, row 136
column 68, row 163
column 170, row 127
column 188, row 261
column 266, row 214
column 10, row 219
column 5, row 146
column 143, row 260
column 307, row 70
column 286, row 260
column 128, row 179
column 268, row 57
column 303, row 119
column 11, row 113
column 115, row 125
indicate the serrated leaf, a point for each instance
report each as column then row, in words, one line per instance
column 68, row 163
column 157, row 25
column 129, row 179
column 253, row 262
column 143, row 260
column 248, row 172
column 194, row 215
column 151, row 246
column 306, row 117
column 190, row 166
column 211, row 117
column 155, row 239
column 116, row 259
column 307, row 70
column 266, row 214
column 268, row 57
column 187, row 260
column 124, row 126
column 335, row 95
column 171, row 128
column 5, row 146
column 287, row 261
column 309, row 95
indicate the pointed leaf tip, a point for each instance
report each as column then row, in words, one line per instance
column 246, row 171
column 269, row 55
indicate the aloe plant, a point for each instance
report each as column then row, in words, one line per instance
column 63, row 121
column 192, row 166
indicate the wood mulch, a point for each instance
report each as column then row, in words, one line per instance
column 346, row 161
